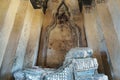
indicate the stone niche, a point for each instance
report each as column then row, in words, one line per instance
column 60, row 36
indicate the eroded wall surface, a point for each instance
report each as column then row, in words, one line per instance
column 21, row 25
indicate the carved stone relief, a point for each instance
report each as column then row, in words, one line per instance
column 78, row 65
column 62, row 35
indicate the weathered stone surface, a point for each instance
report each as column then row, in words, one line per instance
column 85, row 64
column 79, row 53
column 78, row 65
column 29, row 74
column 95, row 77
column 65, row 74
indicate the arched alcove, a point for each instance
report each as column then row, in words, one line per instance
column 62, row 35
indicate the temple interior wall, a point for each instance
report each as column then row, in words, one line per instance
column 21, row 28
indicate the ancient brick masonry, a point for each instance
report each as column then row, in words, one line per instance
column 78, row 65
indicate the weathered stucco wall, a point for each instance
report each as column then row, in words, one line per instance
column 20, row 28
